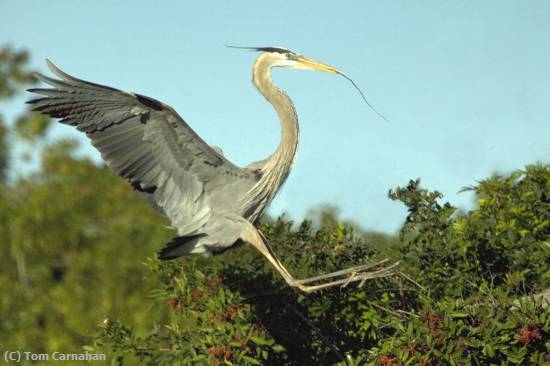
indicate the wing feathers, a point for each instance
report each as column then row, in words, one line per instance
column 142, row 140
column 77, row 82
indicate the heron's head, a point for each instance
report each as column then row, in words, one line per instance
column 281, row 57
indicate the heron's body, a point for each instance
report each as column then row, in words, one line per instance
column 210, row 202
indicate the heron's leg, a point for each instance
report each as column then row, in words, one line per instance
column 253, row 236
column 272, row 252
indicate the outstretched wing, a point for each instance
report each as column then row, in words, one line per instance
column 143, row 141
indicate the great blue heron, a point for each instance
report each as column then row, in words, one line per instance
column 211, row 202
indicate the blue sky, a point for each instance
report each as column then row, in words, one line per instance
column 466, row 85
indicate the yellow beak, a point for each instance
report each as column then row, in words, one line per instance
column 309, row 64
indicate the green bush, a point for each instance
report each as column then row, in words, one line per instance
column 504, row 241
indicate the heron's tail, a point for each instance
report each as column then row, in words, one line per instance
column 182, row 246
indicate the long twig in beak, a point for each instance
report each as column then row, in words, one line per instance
column 363, row 96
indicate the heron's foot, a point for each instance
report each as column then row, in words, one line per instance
column 344, row 277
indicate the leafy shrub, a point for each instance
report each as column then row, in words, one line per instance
column 504, row 241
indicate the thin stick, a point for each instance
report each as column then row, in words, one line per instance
column 383, row 308
column 411, row 280
column 363, row 96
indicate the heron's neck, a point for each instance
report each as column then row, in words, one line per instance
column 277, row 166
column 281, row 160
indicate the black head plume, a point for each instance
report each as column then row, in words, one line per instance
column 263, row 49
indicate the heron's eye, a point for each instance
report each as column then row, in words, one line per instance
column 289, row 56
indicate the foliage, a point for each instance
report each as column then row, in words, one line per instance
column 14, row 76
column 69, row 253
column 4, row 151
column 475, row 266
column 209, row 323
column 14, row 73
column 78, row 274
column 504, row 241
column 476, row 331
